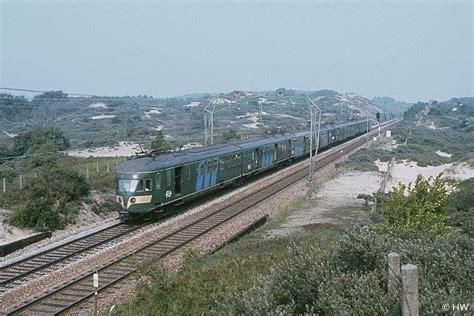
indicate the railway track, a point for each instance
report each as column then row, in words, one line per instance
column 75, row 292
column 16, row 273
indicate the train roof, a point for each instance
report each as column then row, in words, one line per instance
column 169, row 160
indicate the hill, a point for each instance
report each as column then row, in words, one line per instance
column 103, row 121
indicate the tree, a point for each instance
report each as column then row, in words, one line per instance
column 422, row 207
column 13, row 107
column 38, row 139
column 229, row 135
column 49, row 96
column 159, row 143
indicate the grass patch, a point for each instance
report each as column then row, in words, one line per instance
column 349, row 215
column 296, row 204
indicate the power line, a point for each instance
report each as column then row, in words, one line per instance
column 43, row 91
column 71, row 98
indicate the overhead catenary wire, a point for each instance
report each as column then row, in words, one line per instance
column 45, row 91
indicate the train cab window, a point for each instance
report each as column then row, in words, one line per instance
column 157, row 181
column 148, row 185
column 168, row 177
column 139, row 187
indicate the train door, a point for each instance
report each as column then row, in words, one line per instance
column 200, row 176
column 214, row 165
column 177, row 180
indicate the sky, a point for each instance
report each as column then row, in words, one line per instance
column 408, row 50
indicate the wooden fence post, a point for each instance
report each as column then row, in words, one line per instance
column 393, row 271
column 410, row 301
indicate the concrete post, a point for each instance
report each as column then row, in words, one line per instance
column 97, row 166
column 21, row 182
column 87, row 173
column 4, row 185
column 410, row 301
column 108, row 167
column 393, row 259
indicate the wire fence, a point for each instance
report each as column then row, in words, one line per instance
column 93, row 171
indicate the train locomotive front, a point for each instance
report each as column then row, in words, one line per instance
column 136, row 189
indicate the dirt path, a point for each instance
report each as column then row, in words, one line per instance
column 335, row 202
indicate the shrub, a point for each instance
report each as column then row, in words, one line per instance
column 462, row 200
column 50, row 199
column 37, row 214
column 461, row 207
column 418, row 208
column 351, row 277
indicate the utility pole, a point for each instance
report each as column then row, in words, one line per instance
column 367, row 134
column 314, row 110
column 210, row 110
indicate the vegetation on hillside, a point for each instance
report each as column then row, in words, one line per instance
column 428, row 128
column 103, row 121
column 430, row 134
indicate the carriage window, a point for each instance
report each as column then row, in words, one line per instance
column 148, row 185
column 168, row 177
column 157, row 181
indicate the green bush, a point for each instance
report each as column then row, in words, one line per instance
column 50, row 199
column 351, row 276
column 461, row 207
column 418, row 208
column 462, row 200
column 37, row 214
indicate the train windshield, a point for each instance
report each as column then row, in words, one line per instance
column 129, row 185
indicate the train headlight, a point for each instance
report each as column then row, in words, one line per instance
column 132, row 200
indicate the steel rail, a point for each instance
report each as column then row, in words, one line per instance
column 44, row 259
